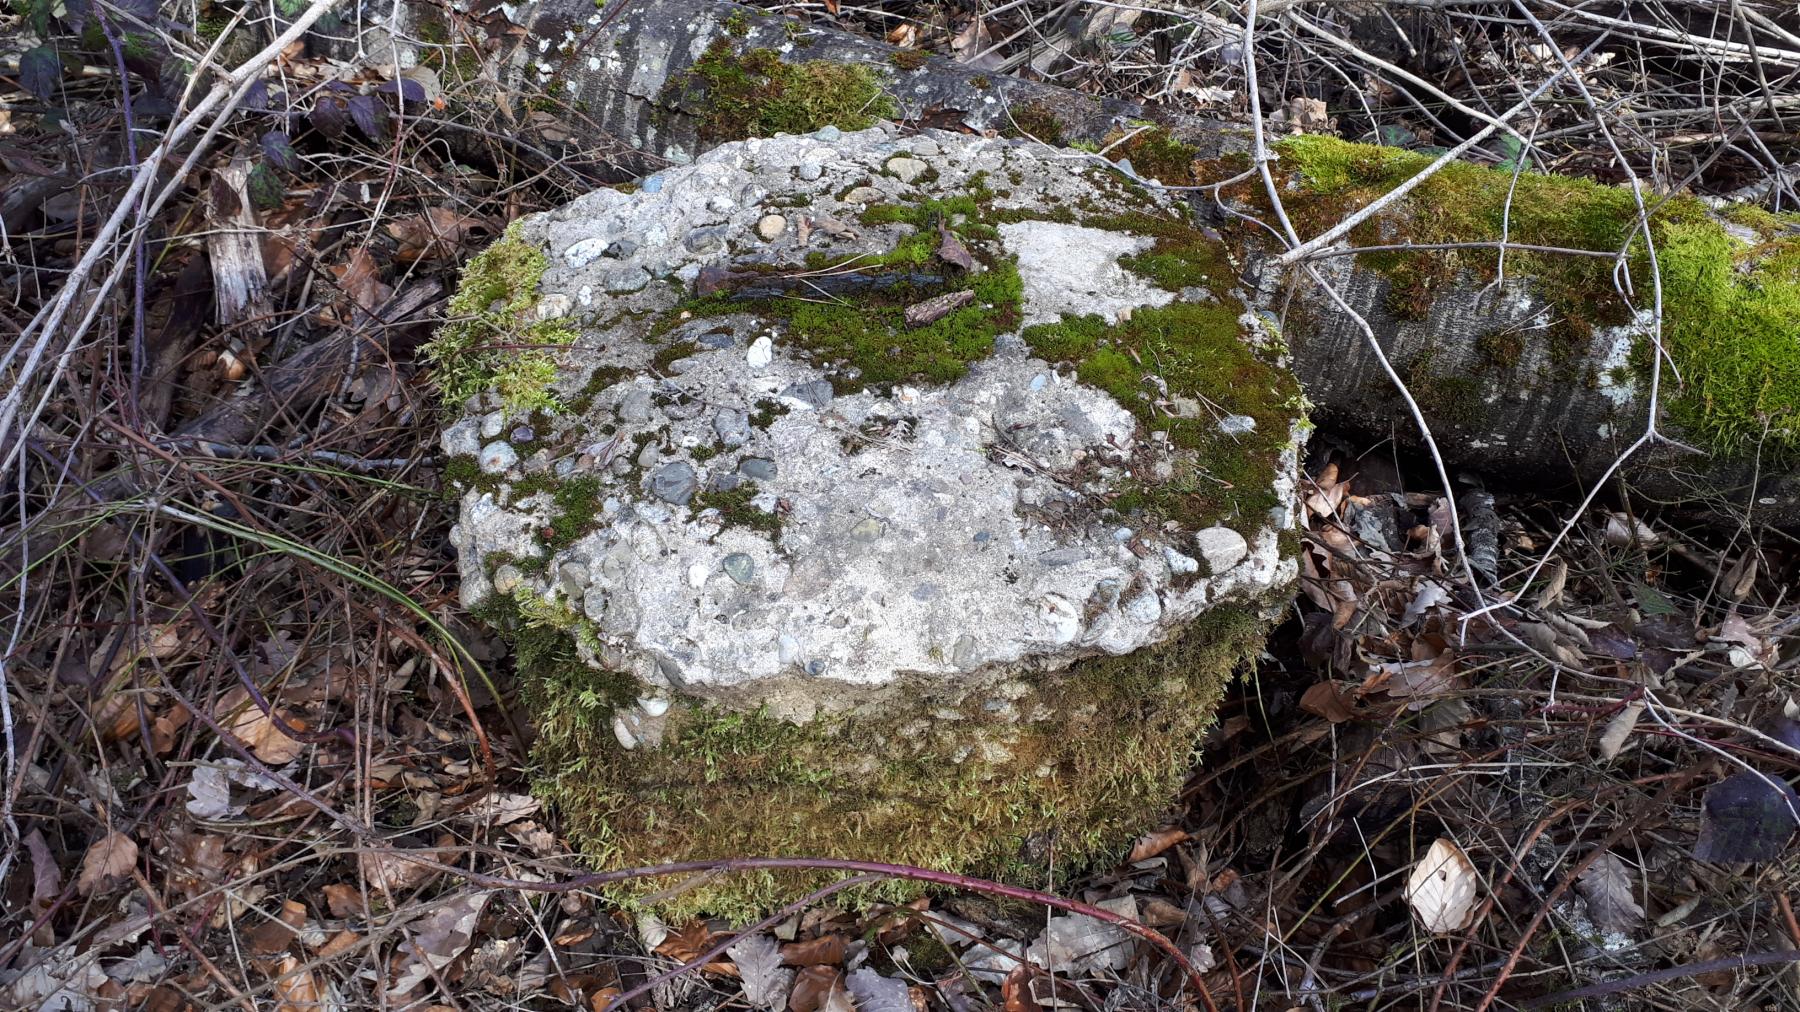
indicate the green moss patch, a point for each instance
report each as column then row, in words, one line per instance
column 1731, row 309
column 755, row 94
column 1178, row 369
column 492, row 340
column 930, row 778
column 737, row 510
column 866, row 336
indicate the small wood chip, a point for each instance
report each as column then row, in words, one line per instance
column 934, row 309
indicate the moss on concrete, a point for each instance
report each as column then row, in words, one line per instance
column 755, row 94
column 1731, row 308
column 492, row 339
column 949, row 779
column 1179, row 369
column 737, row 509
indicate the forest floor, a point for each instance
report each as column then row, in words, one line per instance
column 246, row 766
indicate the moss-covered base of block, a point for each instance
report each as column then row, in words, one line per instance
column 990, row 779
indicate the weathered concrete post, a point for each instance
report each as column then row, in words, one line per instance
column 905, row 498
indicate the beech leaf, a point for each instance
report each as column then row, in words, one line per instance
column 112, row 856
column 1606, row 885
column 1442, row 888
column 875, row 993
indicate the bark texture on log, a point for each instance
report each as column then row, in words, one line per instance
column 629, row 82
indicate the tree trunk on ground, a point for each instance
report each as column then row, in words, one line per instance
column 1501, row 394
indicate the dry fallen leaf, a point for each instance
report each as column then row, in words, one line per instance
column 257, row 730
column 1442, row 888
column 296, row 989
column 1151, row 844
column 393, row 871
column 1324, row 699
column 360, row 279
column 438, row 939
column 1619, row 729
column 1606, row 885
column 436, row 234
column 825, row 950
column 112, row 856
column 766, row 981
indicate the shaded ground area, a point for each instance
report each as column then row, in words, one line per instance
column 256, row 757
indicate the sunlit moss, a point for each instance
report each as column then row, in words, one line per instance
column 491, row 340
column 1731, row 308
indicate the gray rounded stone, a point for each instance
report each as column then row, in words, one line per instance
column 625, row 280
column 907, row 170
column 740, row 567
column 757, row 468
column 497, row 458
column 731, row 426
column 674, row 482
column 635, row 405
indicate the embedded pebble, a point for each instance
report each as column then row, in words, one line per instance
column 963, row 653
column 1180, row 564
column 758, row 468
column 740, row 567
column 1237, row 425
column 635, row 405
column 625, row 280
column 863, row 195
column 1221, row 547
column 674, row 482
column 654, row 706
column 828, row 133
column 524, row 434
column 868, row 530
column 907, row 169
column 554, row 306
column 762, row 352
column 492, row 423
column 507, row 578
column 625, row 728
column 622, row 247
column 462, row 439
column 810, row 171
column 816, row 394
column 585, row 252
column 651, row 184
column 498, row 458
column 770, row 226
column 722, row 481
column 705, row 239
column 593, row 603
column 731, row 426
